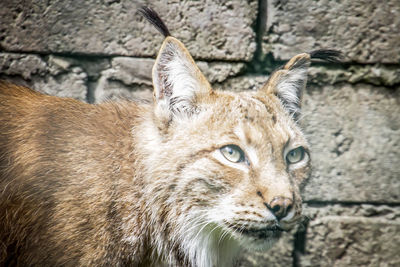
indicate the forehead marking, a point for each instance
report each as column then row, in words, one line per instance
column 252, row 154
column 254, row 103
column 249, row 150
column 269, row 109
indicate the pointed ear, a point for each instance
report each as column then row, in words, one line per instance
column 289, row 82
column 177, row 80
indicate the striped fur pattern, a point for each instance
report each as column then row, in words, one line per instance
column 128, row 184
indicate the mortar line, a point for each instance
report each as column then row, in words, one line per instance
column 351, row 203
column 335, row 66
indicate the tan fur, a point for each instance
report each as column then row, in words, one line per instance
column 127, row 184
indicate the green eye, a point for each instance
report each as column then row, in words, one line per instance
column 233, row 153
column 295, row 155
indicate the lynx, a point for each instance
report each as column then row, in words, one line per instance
column 185, row 181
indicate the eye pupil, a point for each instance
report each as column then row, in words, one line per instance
column 295, row 155
column 233, row 153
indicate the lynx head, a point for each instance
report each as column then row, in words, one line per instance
column 228, row 166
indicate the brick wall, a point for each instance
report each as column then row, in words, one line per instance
column 95, row 50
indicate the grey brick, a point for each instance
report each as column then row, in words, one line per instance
column 354, row 134
column 366, row 31
column 386, row 212
column 351, row 241
column 210, row 30
column 51, row 75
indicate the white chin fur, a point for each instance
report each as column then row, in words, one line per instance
column 258, row 244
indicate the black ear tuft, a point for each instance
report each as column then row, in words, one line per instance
column 154, row 19
column 329, row 55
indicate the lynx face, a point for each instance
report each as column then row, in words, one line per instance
column 245, row 159
column 237, row 160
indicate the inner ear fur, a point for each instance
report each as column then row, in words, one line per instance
column 289, row 82
column 177, row 80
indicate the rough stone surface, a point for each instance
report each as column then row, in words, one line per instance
column 351, row 241
column 51, row 75
column 322, row 75
column 354, row 132
column 126, row 78
column 366, row 31
column 385, row 212
column 242, row 83
column 373, row 74
column 217, row 72
column 217, row 30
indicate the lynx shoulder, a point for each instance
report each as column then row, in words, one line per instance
column 185, row 181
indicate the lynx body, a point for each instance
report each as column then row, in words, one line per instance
column 185, row 181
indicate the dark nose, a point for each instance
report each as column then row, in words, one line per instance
column 280, row 206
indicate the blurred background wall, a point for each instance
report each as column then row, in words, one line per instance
column 94, row 50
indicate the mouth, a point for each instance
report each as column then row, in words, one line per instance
column 262, row 233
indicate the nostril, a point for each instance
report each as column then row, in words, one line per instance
column 280, row 206
column 276, row 209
